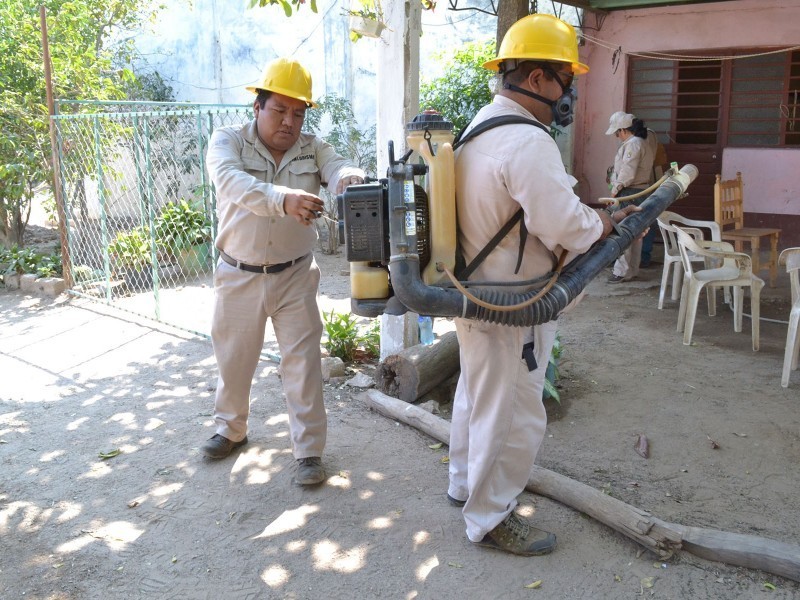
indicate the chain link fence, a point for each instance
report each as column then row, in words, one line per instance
column 140, row 211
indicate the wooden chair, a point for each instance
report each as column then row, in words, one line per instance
column 729, row 214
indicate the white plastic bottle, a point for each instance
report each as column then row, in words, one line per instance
column 425, row 330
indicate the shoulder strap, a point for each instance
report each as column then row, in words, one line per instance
column 463, row 138
column 467, row 271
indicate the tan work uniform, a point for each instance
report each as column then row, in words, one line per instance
column 633, row 171
column 253, row 229
column 498, row 416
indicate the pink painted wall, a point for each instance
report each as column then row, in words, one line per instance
column 771, row 178
column 723, row 25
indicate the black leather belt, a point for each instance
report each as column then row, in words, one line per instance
column 269, row 269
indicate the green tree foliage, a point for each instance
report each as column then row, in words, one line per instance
column 463, row 87
column 287, row 5
column 344, row 133
column 85, row 66
column 149, row 87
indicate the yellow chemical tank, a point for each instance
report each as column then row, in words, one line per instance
column 368, row 282
column 431, row 137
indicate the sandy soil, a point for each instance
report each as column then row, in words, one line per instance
column 159, row 521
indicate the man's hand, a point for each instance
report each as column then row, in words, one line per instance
column 624, row 212
column 617, row 216
column 303, row 206
column 345, row 181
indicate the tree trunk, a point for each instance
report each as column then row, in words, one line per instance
column 415, row 371
column 508, row 13
column 659, row 536
column 12, row 226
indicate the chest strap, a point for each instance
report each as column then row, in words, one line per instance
column 461, row 139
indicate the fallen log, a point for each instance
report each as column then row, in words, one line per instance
column 415, row 371
column 661, row 537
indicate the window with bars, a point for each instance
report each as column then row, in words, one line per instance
column 752, row 100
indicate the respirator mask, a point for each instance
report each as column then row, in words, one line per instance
column 562, row 107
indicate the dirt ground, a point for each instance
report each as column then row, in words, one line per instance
column 157, row 520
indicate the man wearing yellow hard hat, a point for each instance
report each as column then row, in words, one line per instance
column 267, row 175
column 498, row 416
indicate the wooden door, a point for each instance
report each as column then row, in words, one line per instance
column 682, row 102
column 699, row 201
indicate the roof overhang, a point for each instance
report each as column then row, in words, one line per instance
column 611, row 5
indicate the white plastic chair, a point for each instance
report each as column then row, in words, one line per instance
column 736, row 271
column 791, row 258
column 672, row 255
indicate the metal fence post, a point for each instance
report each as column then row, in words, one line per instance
column 101, row 197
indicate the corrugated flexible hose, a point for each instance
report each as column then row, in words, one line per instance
column 442, row 302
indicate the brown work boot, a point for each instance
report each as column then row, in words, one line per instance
column 309, row 471
column 220, row 447
column 515, row 535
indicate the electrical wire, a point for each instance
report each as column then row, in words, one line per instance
column 683, row 57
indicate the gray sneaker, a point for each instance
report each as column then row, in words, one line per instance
column 309, row 471
column 220, row 447
column 515, row 535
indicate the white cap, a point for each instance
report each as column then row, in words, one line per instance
column 619, row 120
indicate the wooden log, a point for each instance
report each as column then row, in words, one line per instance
column 413, row 372
column 662, row 537
column 630, row 521
column 434, row 426
column 738, row 549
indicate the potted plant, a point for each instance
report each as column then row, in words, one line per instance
column 184, row 231
column 131, row 252
column 366, row 19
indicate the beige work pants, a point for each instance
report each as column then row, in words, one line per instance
column 498, row 419
column 627, row 265
column 243, row 302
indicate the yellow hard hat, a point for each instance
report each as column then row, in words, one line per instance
column 540, row 37
column 287, row 77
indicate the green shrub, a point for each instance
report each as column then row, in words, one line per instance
column 132, row 249
column 84, row 273
column 371, row 340
column 345, row 337
column 26, row 260
column 180, row 226
column 342, row 332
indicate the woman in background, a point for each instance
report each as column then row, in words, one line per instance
column 632, row 173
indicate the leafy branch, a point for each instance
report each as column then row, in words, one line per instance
column 288, row 6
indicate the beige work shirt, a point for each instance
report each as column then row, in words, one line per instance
column 515, row 166
column 633, row 164
column 253, row 227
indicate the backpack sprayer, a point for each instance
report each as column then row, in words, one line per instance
column 401, row 238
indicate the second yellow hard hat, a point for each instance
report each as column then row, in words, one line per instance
column 287, row 77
